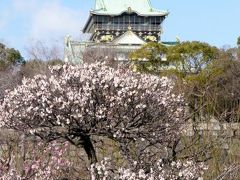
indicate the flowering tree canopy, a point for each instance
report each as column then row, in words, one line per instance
column 78, row 102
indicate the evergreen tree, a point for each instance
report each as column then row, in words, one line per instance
column 238, row 41
column 9, row 57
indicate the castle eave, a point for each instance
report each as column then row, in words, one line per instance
column 145, row 14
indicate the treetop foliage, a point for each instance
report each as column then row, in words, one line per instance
column 149, row 58
column 191, row 57
column 183, row 59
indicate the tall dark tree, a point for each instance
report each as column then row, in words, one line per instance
column 9, row 57
column 238, row 41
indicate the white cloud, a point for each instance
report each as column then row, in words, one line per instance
column 27, row 6
column 48, row 19
column 23, row 22
column 53, row 19
column 5, row 17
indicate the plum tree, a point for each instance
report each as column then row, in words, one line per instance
column 76, row 103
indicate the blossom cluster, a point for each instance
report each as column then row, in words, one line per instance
column 188, row 170
column 43, row 162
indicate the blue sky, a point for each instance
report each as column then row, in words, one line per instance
column 22, row 22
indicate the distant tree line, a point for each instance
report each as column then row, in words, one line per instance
column 209, row 76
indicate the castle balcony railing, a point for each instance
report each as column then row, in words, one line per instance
column 124, row 27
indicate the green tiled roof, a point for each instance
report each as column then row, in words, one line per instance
column 117, row 7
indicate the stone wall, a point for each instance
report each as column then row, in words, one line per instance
column 213, row 127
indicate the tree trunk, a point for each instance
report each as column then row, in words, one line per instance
column 89, row 149
column 91, row 153
column 174, row 149
column 22, row 154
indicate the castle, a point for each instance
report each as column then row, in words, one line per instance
column 119, row 27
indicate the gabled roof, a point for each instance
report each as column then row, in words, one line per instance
column 117, row 7
column 129, row 38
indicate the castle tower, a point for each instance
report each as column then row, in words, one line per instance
column 111, row 19
column 123, row 24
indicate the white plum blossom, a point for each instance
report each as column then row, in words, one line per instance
column 175, row 170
